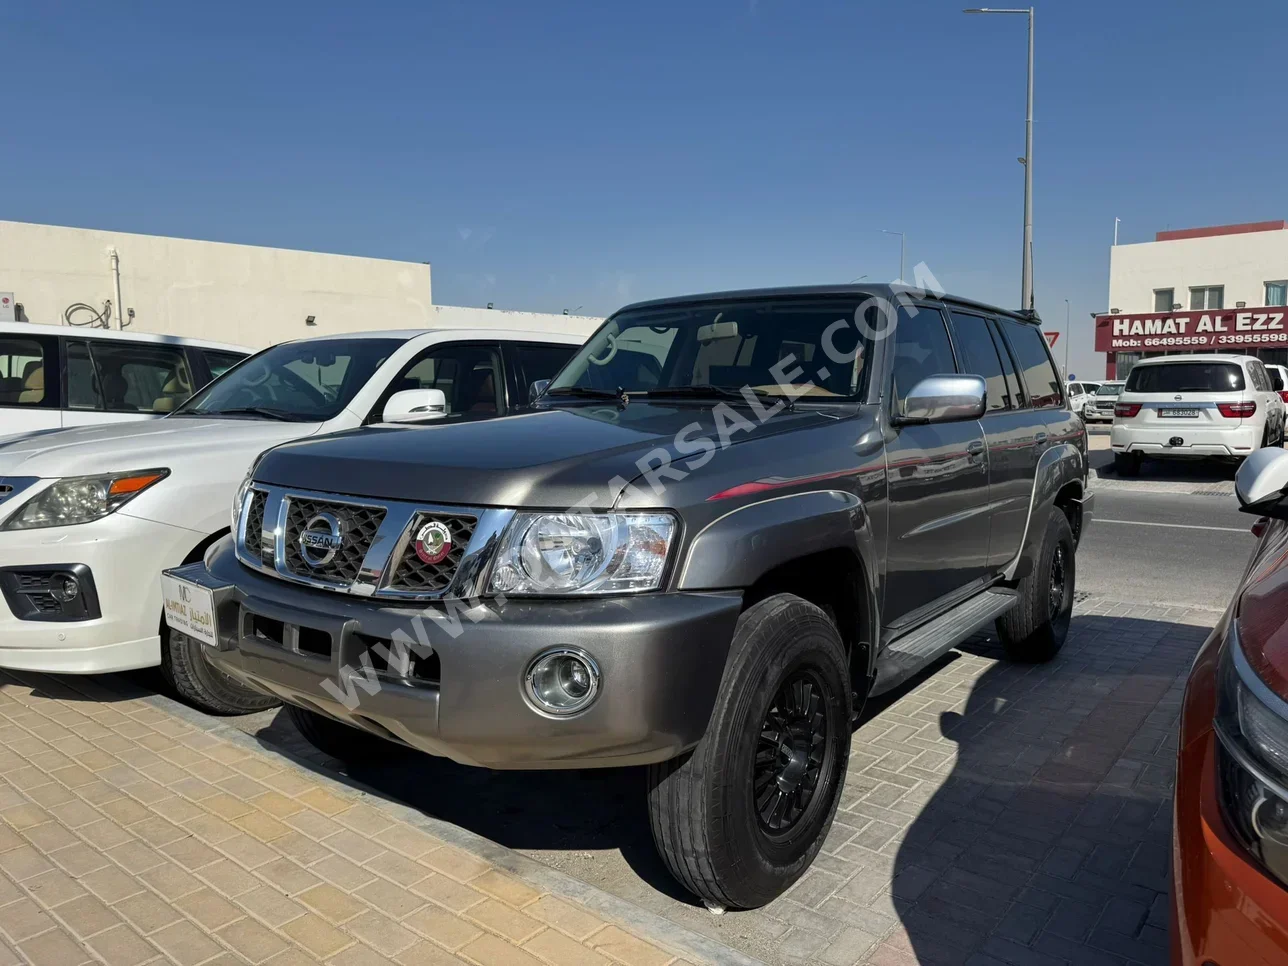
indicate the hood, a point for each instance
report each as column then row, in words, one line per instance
column 552, row 458
column 85, row 450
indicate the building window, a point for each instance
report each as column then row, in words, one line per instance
column 1164, row 299
column 1207, row 297
column 1276, row 293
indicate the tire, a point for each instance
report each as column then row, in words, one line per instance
column 1127, row 464
column 702, row 806
column 1034, row 630
column 339, row 740
column 195, row 680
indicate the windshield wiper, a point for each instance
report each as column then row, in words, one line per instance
column 704, row 391
column 618, row 396
column 262, row 411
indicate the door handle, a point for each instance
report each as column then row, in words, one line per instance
column 975, row 447
column 1040, row 438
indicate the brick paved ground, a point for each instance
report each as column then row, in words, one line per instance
column 993, row 814
column 130, row 835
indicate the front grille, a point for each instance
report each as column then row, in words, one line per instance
column 415, row 575
column 358, row 526
column 255, row 527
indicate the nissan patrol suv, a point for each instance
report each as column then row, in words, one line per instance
column 728, row 521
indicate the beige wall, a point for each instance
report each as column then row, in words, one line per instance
column 231, row 293
column 1243, row 263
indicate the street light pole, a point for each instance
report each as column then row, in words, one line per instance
column 1066, row 340
column 902, row 239
column 1026, row 271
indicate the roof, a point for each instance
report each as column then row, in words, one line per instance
column 454, row 333
column 889, row 292
column 1198, row 357
column 1248, row 226
column 85, row 332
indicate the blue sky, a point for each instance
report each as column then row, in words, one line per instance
column 561, row 154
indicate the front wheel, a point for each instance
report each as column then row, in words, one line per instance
column 339, row 740
column 197, row 681
column 741, row 817
column 1034, row 630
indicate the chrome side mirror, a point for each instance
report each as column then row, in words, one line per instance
column 411, row 405
column 1261, row 482
column 944, row 398
column 536, row 389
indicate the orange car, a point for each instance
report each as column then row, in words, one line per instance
column 1230, row 828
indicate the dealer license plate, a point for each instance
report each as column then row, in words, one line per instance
column 190, row 609
column 1178, row 413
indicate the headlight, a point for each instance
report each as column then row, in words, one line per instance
column 82, row 499
column 1252, row 759
column 583, row 553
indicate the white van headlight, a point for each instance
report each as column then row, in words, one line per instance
column 82, row 499
column 583, row 553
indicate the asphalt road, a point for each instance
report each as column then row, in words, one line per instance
column 1164, row 548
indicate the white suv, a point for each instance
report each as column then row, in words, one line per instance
column 56, row 376
column 1195, row 406
column 89, row 517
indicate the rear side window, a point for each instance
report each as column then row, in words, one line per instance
column 220, row 362
column 1186, row 377
column 921, row 349
column 1035, row 365
column 22, row 372
column 126, row 377
column 979, row 358
column 542, row 361
column 1260, row 378
column 1276, row 380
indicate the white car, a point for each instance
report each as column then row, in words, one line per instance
column 1278, row 379
column 1081, row 396
column 1101, row 407
column 1194, row 406
column 57, row 376
column 90, row 517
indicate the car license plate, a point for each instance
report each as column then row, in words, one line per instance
column 1178, row 413
column 190, row 609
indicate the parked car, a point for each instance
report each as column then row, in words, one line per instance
column 770, row 517
column 1195, row 406
column 90, row 516
column 1081, row 395
column 56, row 376
column 1278, row 379
column 1102, row 408
column 1230, row 822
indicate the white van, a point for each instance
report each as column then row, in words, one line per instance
column 53, row 376
column 1192, row 406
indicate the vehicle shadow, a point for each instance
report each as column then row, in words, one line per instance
column 1195, row 471
column 1050, row 836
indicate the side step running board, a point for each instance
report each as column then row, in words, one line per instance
column 905, row 656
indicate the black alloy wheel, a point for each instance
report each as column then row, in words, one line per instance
column 791, row 753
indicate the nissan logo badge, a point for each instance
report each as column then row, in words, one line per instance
column 321, row 539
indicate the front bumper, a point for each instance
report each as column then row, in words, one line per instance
column 661, row 657
column 124, row 554
column 1199, row 441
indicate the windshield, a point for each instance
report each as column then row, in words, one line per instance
column 297, row 381
column 1187, row 377
column 807, row 348
column 1110, row 389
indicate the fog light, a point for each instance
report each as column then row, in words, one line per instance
column 64, row 588
column 562, row 681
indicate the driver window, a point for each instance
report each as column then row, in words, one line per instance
column 921, row 349
column 469, row 377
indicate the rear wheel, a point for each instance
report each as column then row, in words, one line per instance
column 1127, row 464
column 740, row 818
column 1035, row 629
column 339, row 740
column 197, row 681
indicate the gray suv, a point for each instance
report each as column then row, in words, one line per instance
column 725, row 524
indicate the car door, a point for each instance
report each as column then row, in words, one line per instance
column 29, row 380
column 937, row 482
column 1268, row 399
column 469, row 374
column 110, row 381
column 1008, row 432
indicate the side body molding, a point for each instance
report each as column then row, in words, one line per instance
column 737, row 549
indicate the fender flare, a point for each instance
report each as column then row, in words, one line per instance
column 738, row 548
column 1057, row 467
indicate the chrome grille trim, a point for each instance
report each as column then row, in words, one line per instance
column 266, row 552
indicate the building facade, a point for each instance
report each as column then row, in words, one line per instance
column 242, row 294
column 1220, row 289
